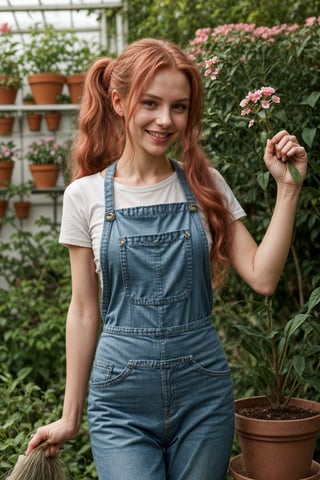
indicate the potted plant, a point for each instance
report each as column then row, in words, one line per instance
column 46, row 156
column 6, row 123
column 8, row 155
column 53, row 117
column 79, row 56
column 33, row 118
column 277, row 432
column 22, row 190
column 10, row 60
column 3, row 202
column 44, row 56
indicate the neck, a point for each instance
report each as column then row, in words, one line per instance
column 138, row 172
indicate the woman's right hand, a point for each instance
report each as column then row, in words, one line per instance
column 54, row 434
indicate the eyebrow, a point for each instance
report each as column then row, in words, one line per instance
column 185, row 99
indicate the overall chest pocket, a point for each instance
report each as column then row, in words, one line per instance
column 157, row 269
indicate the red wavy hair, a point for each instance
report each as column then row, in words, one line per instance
column 102, row 133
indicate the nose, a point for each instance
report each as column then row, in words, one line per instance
column 164, row 117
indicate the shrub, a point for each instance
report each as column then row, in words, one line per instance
column 35, row 290
column 286, row 58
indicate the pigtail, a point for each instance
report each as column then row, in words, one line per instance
column 213, row 205
column 98, row 142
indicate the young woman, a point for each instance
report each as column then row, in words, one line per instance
column 149, row 231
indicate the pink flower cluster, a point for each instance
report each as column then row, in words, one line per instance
column 202, row 35
column 249, row 30
column 263, row 98
column 311, row 21
column 8, row 151
column 210, row 69
column 4, row 28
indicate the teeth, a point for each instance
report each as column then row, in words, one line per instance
column 159, row 135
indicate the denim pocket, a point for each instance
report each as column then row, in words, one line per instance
column 103, row 374
column 211, row 371
column 157, row 269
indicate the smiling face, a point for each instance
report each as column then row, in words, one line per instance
column 161, row 115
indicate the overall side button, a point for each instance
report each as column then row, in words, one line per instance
column 110, row 216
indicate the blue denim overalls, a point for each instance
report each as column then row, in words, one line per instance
column 161, row 398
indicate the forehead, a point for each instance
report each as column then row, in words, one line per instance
column 169, row 82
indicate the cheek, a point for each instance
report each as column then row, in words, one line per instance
column 142, row 118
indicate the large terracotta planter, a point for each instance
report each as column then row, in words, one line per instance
column 277, row 449
column 46, row 87
column 6, row 125
column 238, row 470
column 44, row 176
column 75, row 86
column 6, row 169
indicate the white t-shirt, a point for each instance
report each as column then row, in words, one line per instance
column 83, row 206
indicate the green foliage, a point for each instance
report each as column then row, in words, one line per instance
column 10, row 59
column 80, row 54
column 178, row 21
column 46, row 50
column 35, row 290
column 285, row 59
column 35, row 285
column 285, row 358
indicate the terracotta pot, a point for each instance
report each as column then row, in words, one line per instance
column 75, row 86
column 34, row 121
column 22, row 209
column 3, row 207
column 7, row 95
column 277, row 449
column 238, row 471
column 6, row 169
column 46, row 87
column 53, row 121
column 6, row 125
column 44, row 176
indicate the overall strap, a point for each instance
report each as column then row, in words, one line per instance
column 108, row 187
column 109, row 216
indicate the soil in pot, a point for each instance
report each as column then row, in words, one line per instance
column 280, row 449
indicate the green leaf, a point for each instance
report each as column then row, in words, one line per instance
column 313, row 98
column 294, row 324
column 314, row 299
column 308, row 135
column 263, row 180
column 299, row 364
column 295, row 174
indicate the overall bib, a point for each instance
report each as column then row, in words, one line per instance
column 161, row 398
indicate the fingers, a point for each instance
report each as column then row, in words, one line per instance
column 51, row 450
column 286, row 146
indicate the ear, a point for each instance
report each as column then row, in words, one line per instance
column 117, row 103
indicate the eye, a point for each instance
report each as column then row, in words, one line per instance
column 180, row 107
column 148, row 103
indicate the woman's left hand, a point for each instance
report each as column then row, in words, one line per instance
column 280, row 150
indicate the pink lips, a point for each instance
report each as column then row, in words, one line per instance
column 159, row 137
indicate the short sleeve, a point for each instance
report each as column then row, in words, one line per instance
column 74, row 223
column 232, row 203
